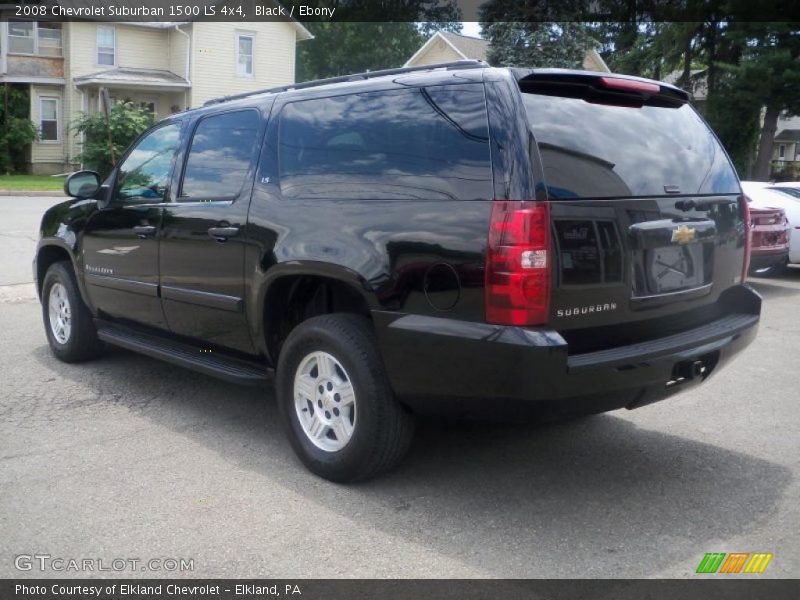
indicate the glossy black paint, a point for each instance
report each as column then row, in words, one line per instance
column 416, row 266
column 202, row 241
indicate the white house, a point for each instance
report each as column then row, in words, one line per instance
column 165, row 66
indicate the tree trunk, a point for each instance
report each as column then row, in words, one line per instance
column 764, row 156
column 686, row 76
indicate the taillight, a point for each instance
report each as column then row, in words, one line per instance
column 630, row 85
column 517, row 285
column 743, row 200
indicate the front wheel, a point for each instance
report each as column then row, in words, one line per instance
column 67, row 321
column 335, row 401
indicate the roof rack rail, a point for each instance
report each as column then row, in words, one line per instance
column 458, row 64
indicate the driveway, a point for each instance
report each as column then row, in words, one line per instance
column 127, row 457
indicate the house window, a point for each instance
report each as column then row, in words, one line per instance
column 149, row 106
column 21, row 38
column 48, row 119
column 244, row 54
column 27, row 37
column 48, row 38
column 106, row 45
column 781, row 151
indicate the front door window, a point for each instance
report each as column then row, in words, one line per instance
column 144, row 174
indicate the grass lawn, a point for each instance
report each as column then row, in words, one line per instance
column 29, row 183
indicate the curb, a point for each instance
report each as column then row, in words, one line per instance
column 32, row 193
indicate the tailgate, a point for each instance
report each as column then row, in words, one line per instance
column 627, row 260
column 646, row 217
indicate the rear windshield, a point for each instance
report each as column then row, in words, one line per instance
column 606, row 151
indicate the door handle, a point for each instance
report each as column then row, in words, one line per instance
column 221, row 234
column 143, row 231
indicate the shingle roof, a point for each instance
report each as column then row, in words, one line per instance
column 135, row 77
column 470, row 47
column 788, row 135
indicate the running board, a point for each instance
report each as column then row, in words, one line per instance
column 185, row 355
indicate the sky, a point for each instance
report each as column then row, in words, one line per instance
column 471, row 28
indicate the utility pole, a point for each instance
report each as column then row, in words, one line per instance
column 106, row 106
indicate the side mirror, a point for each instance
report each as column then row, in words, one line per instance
column 82, row 184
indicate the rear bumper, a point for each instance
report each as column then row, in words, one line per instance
column 763, row 259
column 462, row 368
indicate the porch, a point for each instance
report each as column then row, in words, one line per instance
column 162, row 92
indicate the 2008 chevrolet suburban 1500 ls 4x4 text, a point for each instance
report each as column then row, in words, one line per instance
column 456, row 238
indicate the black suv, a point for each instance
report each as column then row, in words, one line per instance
column 458, row 238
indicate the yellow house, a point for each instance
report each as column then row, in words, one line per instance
column 445, row 46
column 166, row 67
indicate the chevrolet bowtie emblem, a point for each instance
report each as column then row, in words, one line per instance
column 683, row 235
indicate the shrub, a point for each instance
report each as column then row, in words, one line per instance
column 126, row 120
column 14, row 140
column 16, row 130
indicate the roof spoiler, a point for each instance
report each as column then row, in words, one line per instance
column 600, row 87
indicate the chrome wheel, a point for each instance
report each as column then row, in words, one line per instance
column 60, row 313
column 325, row 401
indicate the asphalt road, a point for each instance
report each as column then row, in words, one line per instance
column 126, row 457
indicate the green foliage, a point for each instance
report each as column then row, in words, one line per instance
column 127, row 121
column 17, row 132
column 369, row 35
column 15, row 138
column 341, row 48
column 430, row 28
column 734, row 116
column 524, row 34
column 545, row 44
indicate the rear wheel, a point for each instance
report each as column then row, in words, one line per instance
column 67, row 321
column 336, row 403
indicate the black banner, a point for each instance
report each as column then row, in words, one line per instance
column 177, row 11
column 715, row 587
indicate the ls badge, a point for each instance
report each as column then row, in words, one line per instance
column 683, row 235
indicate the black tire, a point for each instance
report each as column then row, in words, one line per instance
column 82, row 342
column 383, row 428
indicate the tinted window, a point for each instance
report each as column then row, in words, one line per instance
column 144, row 174
column 430, row 143
column 598, row 150
column 220, row 156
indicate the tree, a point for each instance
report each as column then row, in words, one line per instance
column 526, row 34
column 538, row 44
column 369, row 35
column 770, row 73
column 429, row 28
column 127, row 121
column 17, row 132
column 342, row 48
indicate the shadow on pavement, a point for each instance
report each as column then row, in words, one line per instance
column 776, row 287
column 510, row 500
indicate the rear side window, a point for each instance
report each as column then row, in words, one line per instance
column 416, row 144
column 600, row 151
column 222, row 149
